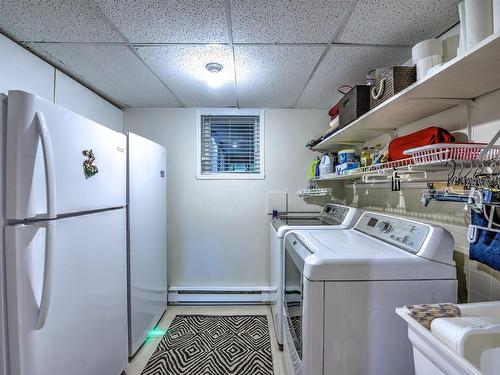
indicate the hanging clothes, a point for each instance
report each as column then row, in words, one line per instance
column 486, row 248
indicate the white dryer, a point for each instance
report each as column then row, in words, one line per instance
column 332, row 216
column 342, row 287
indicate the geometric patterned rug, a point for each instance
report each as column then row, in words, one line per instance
column 213, row 345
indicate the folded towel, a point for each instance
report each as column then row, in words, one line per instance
column 425, row 314
column 335, row 123
column 486, row 248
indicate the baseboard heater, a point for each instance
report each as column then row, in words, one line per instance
column 219, row 295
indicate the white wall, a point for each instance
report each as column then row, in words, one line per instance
column 21, row 70
column 76, row 97
column 218, row 231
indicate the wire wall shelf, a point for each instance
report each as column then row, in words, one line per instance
column 317, row 192
column 434, row 158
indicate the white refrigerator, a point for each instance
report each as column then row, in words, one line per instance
column 3, row 313
column 147, row 235
column 65, row 241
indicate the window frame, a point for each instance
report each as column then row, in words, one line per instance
column 228, row 112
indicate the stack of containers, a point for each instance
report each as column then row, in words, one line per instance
column 430, row 54
column 426, row 55
column 347, row 161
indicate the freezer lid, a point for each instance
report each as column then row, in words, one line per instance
column 46, row 175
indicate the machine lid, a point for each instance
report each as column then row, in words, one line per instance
column 303, row 221
column 354, row 255
column 332, row 214
column 285, row 222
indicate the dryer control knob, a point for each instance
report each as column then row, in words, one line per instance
column 385, row 227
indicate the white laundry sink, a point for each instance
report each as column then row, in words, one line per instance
column 466, row 345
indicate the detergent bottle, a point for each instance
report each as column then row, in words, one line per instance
column 326, row 165
column 315, row 168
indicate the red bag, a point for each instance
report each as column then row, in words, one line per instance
column 424, row 137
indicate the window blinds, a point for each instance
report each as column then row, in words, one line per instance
column 230, row 144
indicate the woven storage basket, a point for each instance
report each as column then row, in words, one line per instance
column 354, row 104
column 390, row 83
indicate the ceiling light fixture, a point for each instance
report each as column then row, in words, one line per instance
column 214, row 67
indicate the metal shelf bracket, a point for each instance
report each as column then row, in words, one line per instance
column 467, row 103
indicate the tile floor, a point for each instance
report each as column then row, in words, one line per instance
column 141, row 358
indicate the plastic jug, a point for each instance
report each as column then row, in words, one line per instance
column 315, row 168
column 326, row 165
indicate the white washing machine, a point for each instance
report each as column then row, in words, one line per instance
column 332, row 216
column 342, row 288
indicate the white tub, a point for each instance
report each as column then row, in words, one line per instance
column 432, row 356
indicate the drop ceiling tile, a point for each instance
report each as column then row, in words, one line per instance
column 399, row 21
column 183, row 69
column 345, row 65
column 166, row 21
column 113, row 70
column 263, row 21
column 56, row 21
column 273, row 76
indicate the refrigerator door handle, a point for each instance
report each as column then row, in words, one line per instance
column 48, row 160
column 50, row 239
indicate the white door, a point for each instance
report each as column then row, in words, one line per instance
column 45, row 172
column 147, row 205
column 67, row 298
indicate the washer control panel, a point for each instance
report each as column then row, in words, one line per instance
column 405, row 234
column 334, row 213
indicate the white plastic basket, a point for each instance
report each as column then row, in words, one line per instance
column 443, row 152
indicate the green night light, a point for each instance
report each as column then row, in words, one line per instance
column 156, row 332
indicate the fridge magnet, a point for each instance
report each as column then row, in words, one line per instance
column 89, row 168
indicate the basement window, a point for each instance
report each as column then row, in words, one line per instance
column 230, row 144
